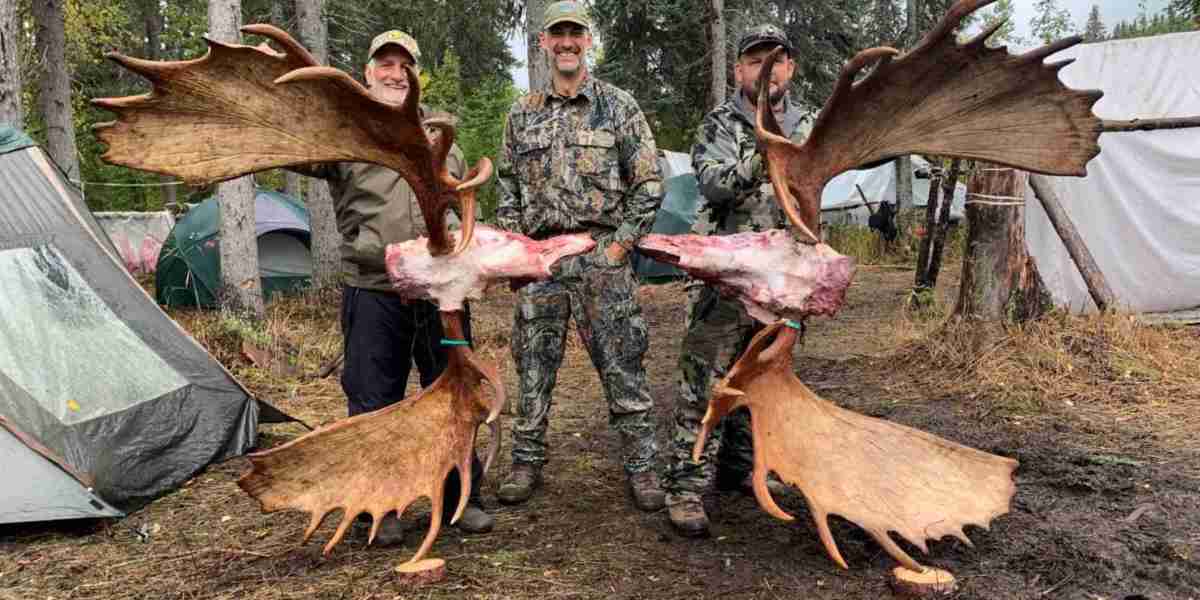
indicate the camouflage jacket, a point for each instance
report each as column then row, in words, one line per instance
column 587, row 162
column 374, row 207
column 736, row 198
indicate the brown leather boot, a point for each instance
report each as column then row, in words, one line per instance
column 647, row 493
column 687, row 515
column 520, row 484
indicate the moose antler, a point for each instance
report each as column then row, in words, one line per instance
column 417, row 441
column 241, row 109
column 880, row 475
column 942, row 98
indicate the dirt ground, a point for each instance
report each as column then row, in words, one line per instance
column 1107, row 505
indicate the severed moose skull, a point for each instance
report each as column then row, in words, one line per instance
column 492, row 255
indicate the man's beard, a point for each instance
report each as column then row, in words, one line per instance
column 569, row 71
column 774, row 98
column 389, row 95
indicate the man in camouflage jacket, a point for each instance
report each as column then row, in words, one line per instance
column 579, row 156
column 737, row 197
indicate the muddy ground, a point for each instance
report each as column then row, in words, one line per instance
column 1107, row 507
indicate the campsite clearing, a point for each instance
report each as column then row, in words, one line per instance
column 1101, row 412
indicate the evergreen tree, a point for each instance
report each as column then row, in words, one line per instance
column 1007, row 33
column 1049, row 22
column 1095, row 30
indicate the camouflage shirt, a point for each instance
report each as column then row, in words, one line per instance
column 736, row 198
column 587, row 162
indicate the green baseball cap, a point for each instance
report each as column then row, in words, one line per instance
column 398, row 38
column 567, row 11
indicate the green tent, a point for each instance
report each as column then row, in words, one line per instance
column 189, row 265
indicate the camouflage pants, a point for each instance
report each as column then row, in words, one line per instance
column 601, row 297
column 718, row 331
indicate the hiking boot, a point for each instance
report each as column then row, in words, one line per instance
column 745, row 485
column 520, row 484
column 647, row 494
column 687, row 515
column 475, row 520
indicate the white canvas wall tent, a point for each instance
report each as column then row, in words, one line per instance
column 105, row 402
column 1138, row 209
column 137, row 236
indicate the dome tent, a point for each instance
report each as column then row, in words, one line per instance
column 105, row 402
column 189, row 265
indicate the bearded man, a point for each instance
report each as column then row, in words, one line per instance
column 384, row 334
column 737, row 196
column 579, row 156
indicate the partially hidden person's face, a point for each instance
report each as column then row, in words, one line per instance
column 386, row 76
column 566, row 45
column 750, row 64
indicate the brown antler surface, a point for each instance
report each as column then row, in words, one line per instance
column 241, row 109
column 383, row 461
column 882, row 476
column 941, row 98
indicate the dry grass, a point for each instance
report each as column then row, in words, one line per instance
column 1106, row 368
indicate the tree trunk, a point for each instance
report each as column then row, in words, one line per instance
column 241, row 286
column 11, row 111
column 326, row 241
column 949, row 183
column 1097, row 284
column 539, row 69
column 153, row 20
column 716, row 39
column 921, row 281
column 999, row 279
column 293, row 185
column 54, row 88
column 904, row 199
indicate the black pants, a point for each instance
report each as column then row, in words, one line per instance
column 382, row 336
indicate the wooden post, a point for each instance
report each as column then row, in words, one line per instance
column 949, row 184
column 1097, row 284
column 999, row 279
column 922, row 280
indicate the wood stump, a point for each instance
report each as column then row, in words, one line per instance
column 421, row 573
column 930, row 583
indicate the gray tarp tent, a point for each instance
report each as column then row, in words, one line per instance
column 104, row 400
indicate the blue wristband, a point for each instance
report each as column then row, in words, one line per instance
column 793, row 324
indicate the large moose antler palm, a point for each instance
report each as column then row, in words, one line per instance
column 242, row 109
column 942, row 98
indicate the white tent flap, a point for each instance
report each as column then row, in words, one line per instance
column 1138, row 210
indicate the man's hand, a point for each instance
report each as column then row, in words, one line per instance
column 615, row 253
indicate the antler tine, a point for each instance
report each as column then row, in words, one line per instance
column 1039, row 54
column 987, row 32
column 411, row 109
column 950, row 21
column 296, row 52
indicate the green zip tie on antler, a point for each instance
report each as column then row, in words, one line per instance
column 446, row 342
